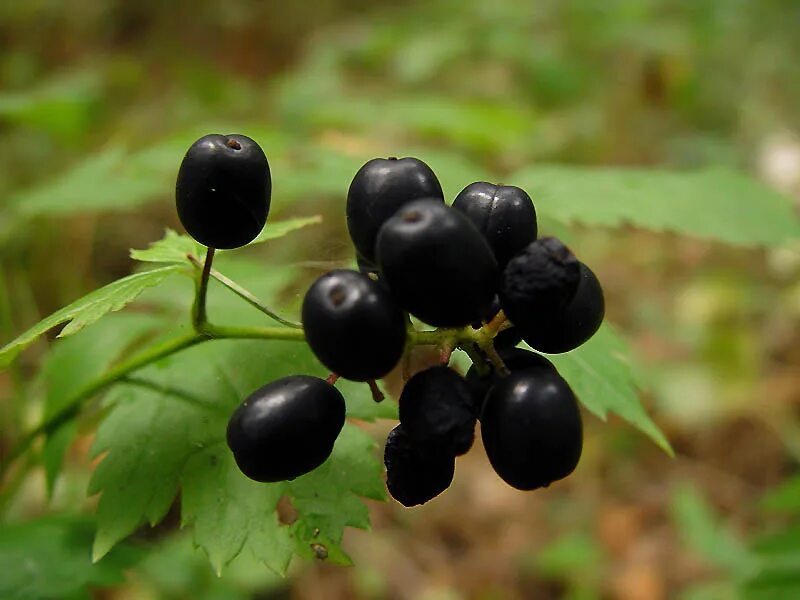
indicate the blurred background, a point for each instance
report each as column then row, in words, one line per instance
column 99, row 100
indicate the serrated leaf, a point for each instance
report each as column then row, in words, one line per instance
column 72, row 364
column 50, row 559
column 230, row 513
column 167, row 430
column 278, row 229
column 714, row 203
column 601, row 375
column 172, row 248
column 90, row 308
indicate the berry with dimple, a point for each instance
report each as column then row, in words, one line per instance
column 436, row 408
column 515, row 359
column 415, row 473
column 353, row 325
column 223, row 190
column 286, row 428
column 379, row 189
column 437, row 264
column 504, row 214
column 531, row 428
column 540, row 280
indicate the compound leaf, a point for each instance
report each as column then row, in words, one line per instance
column 90, row 308
column 714, row 203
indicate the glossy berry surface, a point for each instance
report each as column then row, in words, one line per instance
column 436, row 408
column 515, row 359
column 570, row 327
column 504, row 214
column 538, row 281
column 286, row 428
column 353, row 325
column 531, row 428
column 223, row 190
column 437, row 264
column 379, row 189
column 415, row 473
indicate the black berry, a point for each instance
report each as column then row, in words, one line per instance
column 353, row 325
column 504, row 214
column 515, row 359
column 436, row 408
column 568, row 328
column 223, row 190
column 415, row 473
column 437, row 264
column 531, row 428
column 286, row 428
column 378, row 190
column 539, row 281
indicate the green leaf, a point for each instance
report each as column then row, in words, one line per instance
column 166, row 431
column 700, row 531
column 278, row 229
column 601, row 375
column 172, row 248
column 73, row 363
column 714, row 203
column 784, row 498
column 90, row 308
column 50, row 559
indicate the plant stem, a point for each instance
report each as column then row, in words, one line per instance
column 245, row 295
column 199, row 317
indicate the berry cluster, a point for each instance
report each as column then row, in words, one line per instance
column 475, row 270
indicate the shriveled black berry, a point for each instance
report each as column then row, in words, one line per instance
column 565, row 330
column 540, row 280
column 531, row 428
column 378, row 190
column 286, row 428
column 223, row 190
column 415, row 473
column 516, row 359
column 437, row 264
column 353, row 325
column 436, row 408
column 504, row 214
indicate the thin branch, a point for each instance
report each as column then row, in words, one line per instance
column 199, row 316
column 245, row 295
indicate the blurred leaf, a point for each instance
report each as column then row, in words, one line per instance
column 90, row 308
column 277, row 229
column 785, row 497
column 70, row 367
column 167, row 429
column 600, row 374
column 569, row 555
column 50, row 559
column 714, row 203
column 701, row 532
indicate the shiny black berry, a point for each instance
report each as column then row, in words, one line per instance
column 353, row 325
column 223, row 190
column 539, row 281
column 378, row 190
column 286, row 428
column 415, row 472
column 437, row 264
column 504, row 214
column 568, row 328
column 436, row 408
column 531, row 428
column 515, row 359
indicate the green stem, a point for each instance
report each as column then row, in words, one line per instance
column 245, row 295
